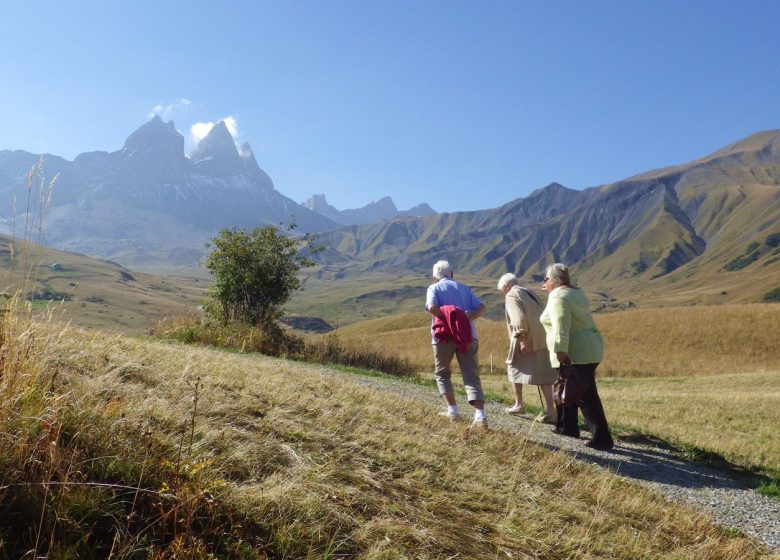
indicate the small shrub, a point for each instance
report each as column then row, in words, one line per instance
column 741, row 262
column 48, row 294
column 638, row 267
column 773, row 296
column 773, row 240
column 771, row 489
column 270, row 339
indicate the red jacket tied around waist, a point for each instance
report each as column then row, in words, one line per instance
column 454, row 327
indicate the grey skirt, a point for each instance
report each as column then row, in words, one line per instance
column 532, row 369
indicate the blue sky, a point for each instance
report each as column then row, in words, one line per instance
column 464, row 105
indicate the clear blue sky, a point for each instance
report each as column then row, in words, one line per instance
column 464, row 105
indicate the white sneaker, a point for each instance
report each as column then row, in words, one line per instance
column 479, row 424
column 450, row 415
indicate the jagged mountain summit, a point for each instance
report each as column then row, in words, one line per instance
column 148, row 203
column 712, row 217
column 382, row 209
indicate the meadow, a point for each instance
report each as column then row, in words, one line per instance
column 701, row 377
column 116, row 447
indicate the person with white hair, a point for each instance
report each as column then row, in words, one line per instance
column 452, row 305
column 528, row 362
column 573, row 339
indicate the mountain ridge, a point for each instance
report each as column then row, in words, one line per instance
column 700, row 214
column 376, row 211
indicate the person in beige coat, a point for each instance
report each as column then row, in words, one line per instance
column 528, row 362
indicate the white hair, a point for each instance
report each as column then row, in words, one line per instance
column 559, row 274
column 507, row 279
column 442, row 269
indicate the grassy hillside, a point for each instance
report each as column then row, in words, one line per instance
column 651, row 342
column 698, row 233
column 97, row 294
column 126, row 448
column 686, row 374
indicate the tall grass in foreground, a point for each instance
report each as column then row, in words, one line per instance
column 79, row 478
column 319, row 467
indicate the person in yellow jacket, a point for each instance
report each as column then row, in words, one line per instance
column 573, row 338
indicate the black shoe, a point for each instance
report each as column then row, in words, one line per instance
column 569, row 434
column 600, row 445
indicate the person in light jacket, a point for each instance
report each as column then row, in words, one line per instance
column 572, row 338
column 528, row 362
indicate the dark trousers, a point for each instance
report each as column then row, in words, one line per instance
column 591, row 407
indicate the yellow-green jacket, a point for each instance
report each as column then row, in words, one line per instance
column 570, row 327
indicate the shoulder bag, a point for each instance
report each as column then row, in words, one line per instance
column 570, row 386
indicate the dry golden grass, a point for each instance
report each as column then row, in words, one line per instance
column 736, row 416
column 702, row 340
column 321, row 468
column 701, row 376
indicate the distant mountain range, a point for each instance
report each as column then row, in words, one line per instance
column 149, row 204
column 720, row 213
column 382, row 209
column 714, row 222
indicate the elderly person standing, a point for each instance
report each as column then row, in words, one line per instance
column 572, row 338
column 455, row 308
column 528, row 362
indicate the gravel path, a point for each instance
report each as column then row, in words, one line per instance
column 729, row 501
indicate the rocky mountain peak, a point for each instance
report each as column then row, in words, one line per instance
column 248, row 157
column 419, row 211
column 317, row 202
column 253, row 169
column 216, row 153
column 157, row 149
column 155, row 135
column 384, row 204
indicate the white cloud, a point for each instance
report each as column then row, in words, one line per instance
column 199, row 130
column 166, row 110
column 232, row 126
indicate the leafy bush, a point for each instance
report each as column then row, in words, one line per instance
column 48, row 294
column 773, row 240
column 255, row 274
column 741, row 262
column 772, row 296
